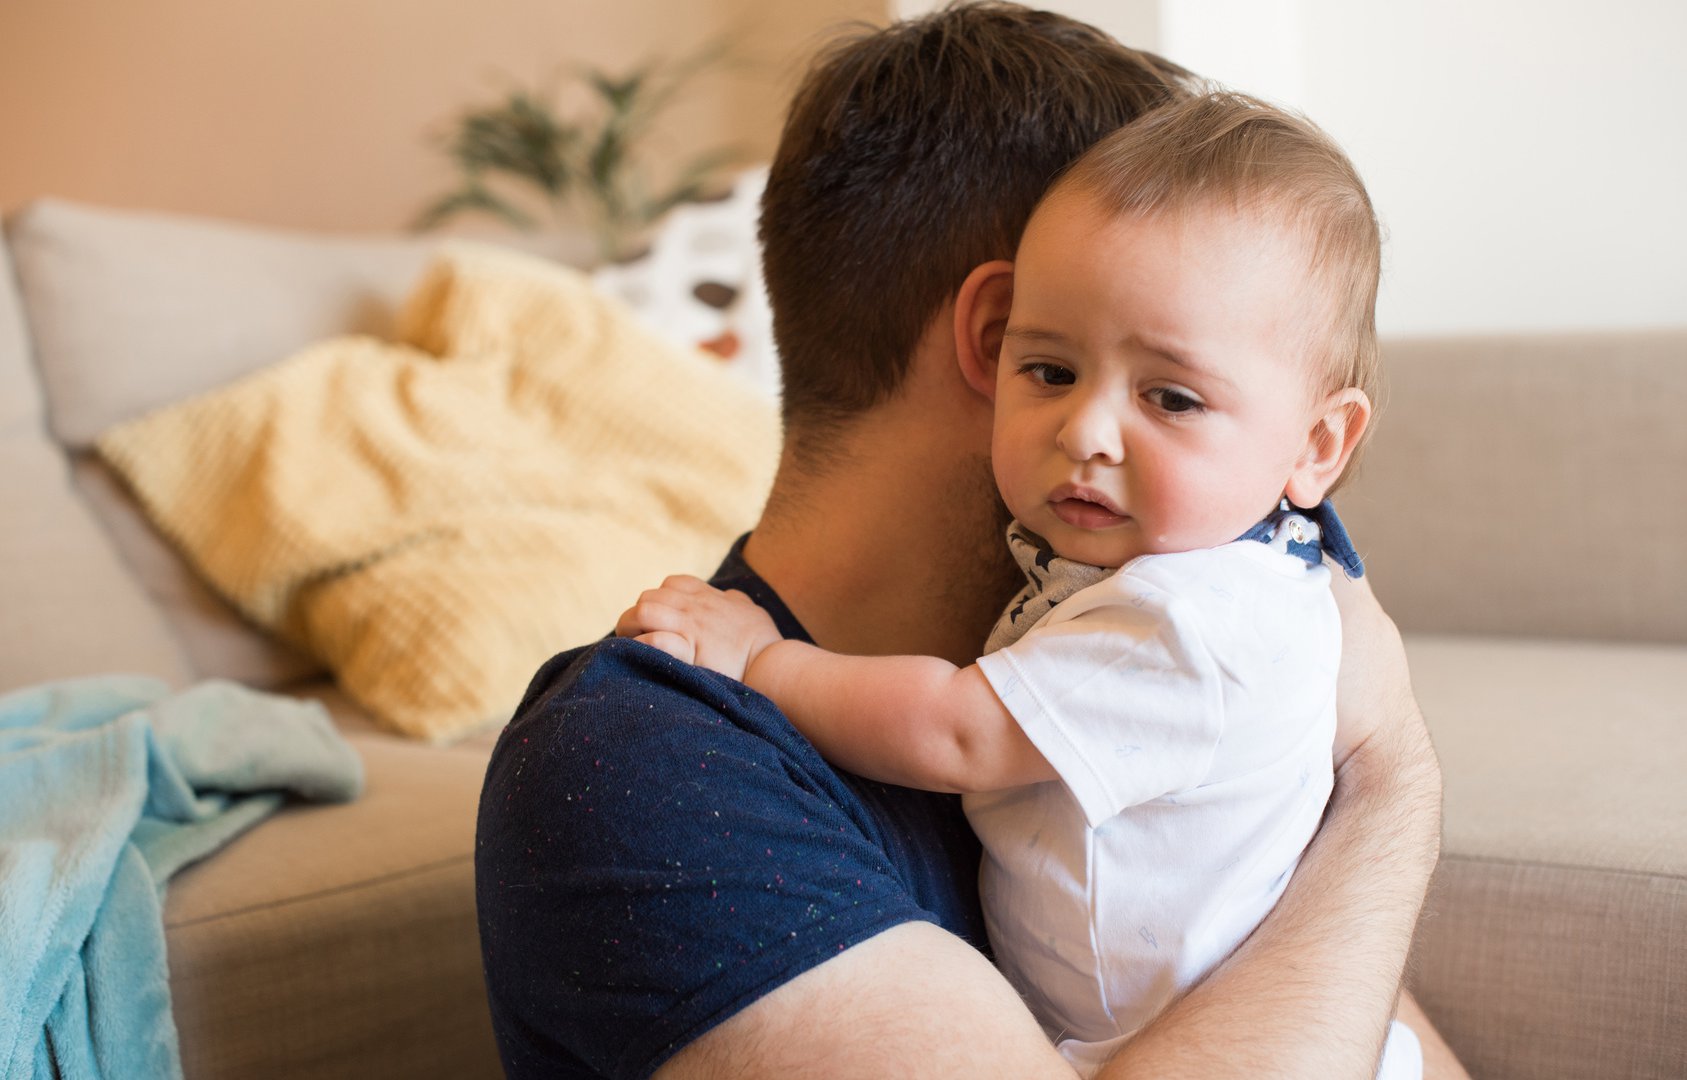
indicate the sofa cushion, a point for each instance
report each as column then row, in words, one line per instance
column 67, row 605
column 1510, row 475
column 131, row 311
column 135, row 310
column 340, row 944
column 1551, row 945
column 20, row 393
column 215, row 640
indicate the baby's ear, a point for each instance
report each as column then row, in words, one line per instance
column 1336, row 430
column 981, row 315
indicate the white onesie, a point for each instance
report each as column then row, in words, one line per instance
column 1187, row 703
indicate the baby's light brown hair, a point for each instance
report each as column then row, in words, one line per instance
column 1233, row 151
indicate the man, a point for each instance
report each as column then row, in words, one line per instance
column 670, row 879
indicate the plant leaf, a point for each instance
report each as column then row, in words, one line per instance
column 519, row 136
column 618, row 94
column 593, row 159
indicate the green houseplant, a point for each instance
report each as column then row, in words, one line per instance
column 520, row 160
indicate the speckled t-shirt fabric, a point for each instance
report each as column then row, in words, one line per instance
column 657, row 848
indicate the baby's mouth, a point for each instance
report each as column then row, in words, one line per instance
column 1085, row 508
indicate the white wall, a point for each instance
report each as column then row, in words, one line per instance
column 1528, row 157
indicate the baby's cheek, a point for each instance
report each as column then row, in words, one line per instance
column 1008, row 460
column 1180, row 525
column 1192, row 508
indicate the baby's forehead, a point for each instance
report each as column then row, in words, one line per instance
column 1172, row 243
column 1250, row 218
column 1072, row 229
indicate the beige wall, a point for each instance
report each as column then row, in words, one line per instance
column 317, row 113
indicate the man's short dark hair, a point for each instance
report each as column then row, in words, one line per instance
column 912, row 154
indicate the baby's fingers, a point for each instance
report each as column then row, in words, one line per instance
column 687, row 584
column 652, row 612
column 677, row 646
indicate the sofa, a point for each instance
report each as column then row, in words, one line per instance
column 1521, row 510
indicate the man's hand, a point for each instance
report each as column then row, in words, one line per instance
column 1374, row 687
column 693, row 621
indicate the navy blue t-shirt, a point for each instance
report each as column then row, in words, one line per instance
column 657, row 848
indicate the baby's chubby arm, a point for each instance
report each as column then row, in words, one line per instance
column 917, row 721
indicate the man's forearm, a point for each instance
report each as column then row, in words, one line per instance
column 1311, row 991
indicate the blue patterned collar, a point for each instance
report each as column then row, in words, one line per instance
column 1310, row 534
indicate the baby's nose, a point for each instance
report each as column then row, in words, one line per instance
column 1092, row 431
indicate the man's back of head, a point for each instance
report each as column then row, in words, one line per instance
column 910, row 155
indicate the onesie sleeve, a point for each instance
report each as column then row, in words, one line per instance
column 1118, row 690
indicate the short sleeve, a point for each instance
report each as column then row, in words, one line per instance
column 1117, row 689
column 657, row 848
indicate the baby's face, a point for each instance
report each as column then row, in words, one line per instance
column 1151, row 394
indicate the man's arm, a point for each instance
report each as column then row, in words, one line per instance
column 1311, row 991
column 913, row 1001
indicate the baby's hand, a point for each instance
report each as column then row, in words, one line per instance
column 693, row 621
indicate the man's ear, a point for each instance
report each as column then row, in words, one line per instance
column 1336, row 431
column 981, row 314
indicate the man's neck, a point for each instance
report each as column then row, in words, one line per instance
column 896, row 549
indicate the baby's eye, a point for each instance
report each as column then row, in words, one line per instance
column 1171, row 400
column 1044, row 373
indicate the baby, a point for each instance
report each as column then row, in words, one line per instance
column 1145, row 746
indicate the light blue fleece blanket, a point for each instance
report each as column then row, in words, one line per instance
column 107, row 787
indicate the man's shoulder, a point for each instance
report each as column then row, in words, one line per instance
column 642, row 692
column 618, row 701
column 615, row 679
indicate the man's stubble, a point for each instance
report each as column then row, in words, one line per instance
column 981, row 575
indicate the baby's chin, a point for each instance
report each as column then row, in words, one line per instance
column 1108, row 552
column 1113, row 552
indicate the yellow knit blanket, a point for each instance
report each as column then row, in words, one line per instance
column 436, row 518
